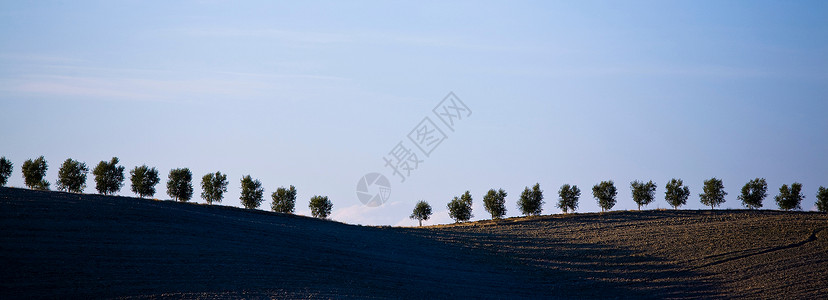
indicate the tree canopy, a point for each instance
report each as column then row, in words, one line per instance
column 320, row 206
column 568, row 198
column 284, row 200
column 753, row 193
column 605, row 193
column 34, row 172
column 822, row 199
column 180, row 184
column 5, row 170
column 531, row 201
column 72, row 176
column 495, row 203
column 251, row 192
column 790, row 198
column 109, row 177
column 422, row 212
column 676, row 193
column 143, row 180
column 213, row 187
column 643, row 193
column 460, row 208
column 713, row 193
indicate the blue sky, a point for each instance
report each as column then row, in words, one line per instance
column 315, row 94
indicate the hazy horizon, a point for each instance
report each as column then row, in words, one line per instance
column 316, row 94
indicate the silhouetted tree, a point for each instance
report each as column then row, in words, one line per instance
column 143, row 180
column 713, row 193
column 460, row 208
column 568, row 198
column 33, row 173
column 5, row 170
column 180, row 184
column 822, row 199
column 422, row 211
column 605, row 193
column 251, row 192
column 284, row 200
column 72, row 176
column 109, row 177
column 643, row 193
column 531, row 201
column 495, row 203
column 320, row 206
column 213, row 187
column 753, row 193
column 790, row 198
column 676, row 194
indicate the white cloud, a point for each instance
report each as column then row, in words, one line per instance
column 294, row 37
column 126, row 88
column 364, row 215
column 704, row 71
column 285, row 35
column 37, row 58
column 150, row 85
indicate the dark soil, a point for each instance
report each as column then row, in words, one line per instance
column 62, row 245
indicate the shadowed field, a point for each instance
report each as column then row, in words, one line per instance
column 54, row 245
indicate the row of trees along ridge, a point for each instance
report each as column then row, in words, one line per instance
column 676, row 194
column 109, row 179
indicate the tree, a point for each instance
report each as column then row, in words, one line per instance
column 320, row 206
column 525, row 202
column 531, row 201
column 251, row 192
column 753, row 193
column 713, row 193
column 605, row 193
column 72, row 176
column 143, row 180
column 422, row 211
column 569, row 195
column 180, row 184
column 5, row 170
column 109, row 177
column 213, row 187
column 284, row 200
column 790, row 198
column 822, row 200
column 676, row 194
column 460, row 208
column 33, row 173
column 643, row 193
column 495, row 203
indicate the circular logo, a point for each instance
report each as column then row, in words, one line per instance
column 373, row 189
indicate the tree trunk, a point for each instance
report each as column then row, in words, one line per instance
column 421, row 222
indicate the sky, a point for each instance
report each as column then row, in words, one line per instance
column 317, row 94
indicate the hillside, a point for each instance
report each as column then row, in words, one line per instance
column 54, row 245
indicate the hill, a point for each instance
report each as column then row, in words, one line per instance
column 58, row 245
